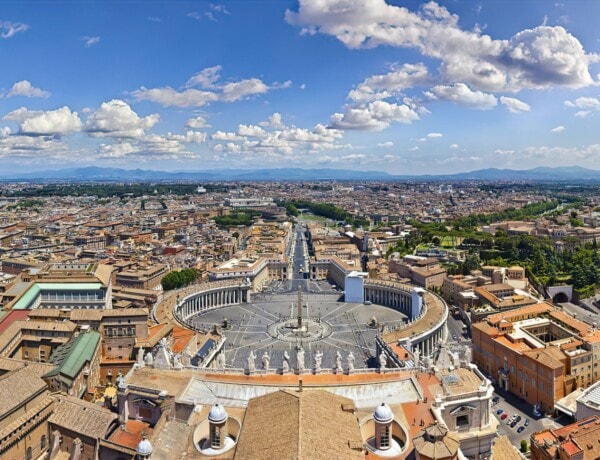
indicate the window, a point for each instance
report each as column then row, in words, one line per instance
column 28, row 454
column 43, row 442
column 215, row 439
column 385, row 437
column 462, row 420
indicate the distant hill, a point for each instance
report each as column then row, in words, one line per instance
column 93, row 173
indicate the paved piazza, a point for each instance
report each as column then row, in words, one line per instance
column 268, row 323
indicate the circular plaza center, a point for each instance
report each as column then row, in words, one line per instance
column 326, row 326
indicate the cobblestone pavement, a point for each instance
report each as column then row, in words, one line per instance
column 348, row 322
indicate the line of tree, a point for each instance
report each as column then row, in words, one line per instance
column 245, row 218
column 327, row 210
column 107, row 190
column 511, row 213
column 179, row 279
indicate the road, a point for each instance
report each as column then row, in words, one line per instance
column 581, row 313
column 455, row 329
column 300, row 261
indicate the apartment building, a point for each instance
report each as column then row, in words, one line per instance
column 537, row 352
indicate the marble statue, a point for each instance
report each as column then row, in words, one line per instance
column 140, row 357
column 417, row 357
column 382, row 360
column 265, row 361
column 350, row 360
column 149, row 359
column 468, row 357
column 318, row 358
column 251, row 364
column 338, row 363
column 177, row 361
column 286, row 362
column 300, row 360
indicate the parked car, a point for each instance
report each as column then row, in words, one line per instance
column 520, row 429
column 526, row 422
column 496, row 399
column 518, row 419
column 504, row 416
column 513, row 424
column 499, row 411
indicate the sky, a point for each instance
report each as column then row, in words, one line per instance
column 399, row 86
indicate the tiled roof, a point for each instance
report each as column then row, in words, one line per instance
column 81, row 417
column 17, row 387
column 309, row 424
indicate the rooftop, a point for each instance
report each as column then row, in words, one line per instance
column 82, row 417
column 290, row 424
column 19, row 386
column 72, row 356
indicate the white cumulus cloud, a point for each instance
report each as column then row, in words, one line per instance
column 389, row 84
column 460, row 93
column 514, row 105
column 586, row 104
column 211, row 90
column 117, row 119
column 558, row 129
column 375, row 116
column 49, row 123
column 540, row 57
column 198, row 122
column 25, row 88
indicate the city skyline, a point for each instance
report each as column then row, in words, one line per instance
column 411, row 88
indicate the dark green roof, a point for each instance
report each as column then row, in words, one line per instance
column 72, row 356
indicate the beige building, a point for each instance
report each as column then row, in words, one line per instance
column 78, row 425
column 464, row 407
column 25, row 406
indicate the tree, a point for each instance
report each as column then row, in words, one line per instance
column 524, row 446
column 176, row 280
column 471, row 263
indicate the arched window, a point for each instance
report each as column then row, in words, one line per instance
column 28, row 454
column 43, row 442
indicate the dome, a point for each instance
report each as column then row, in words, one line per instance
column 383, row 414
column 435, row 432
column 217, row 414
column 144, row 448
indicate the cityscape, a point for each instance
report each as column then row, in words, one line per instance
column 302, row 229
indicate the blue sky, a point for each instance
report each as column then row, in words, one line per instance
column 403, row 87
